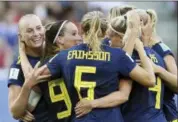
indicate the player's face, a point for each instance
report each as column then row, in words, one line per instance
column 33, row 33
column 71, row 37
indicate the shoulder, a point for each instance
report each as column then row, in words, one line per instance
column 162, row 46
column 117, row 51
column 16, row 63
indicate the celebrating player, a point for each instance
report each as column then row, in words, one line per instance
column 31, row 32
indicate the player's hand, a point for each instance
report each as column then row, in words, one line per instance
column 28, row 117
column 35, row 76
column 83, row 107
column 147, row 29
column 21, row 43
column 133, row 21
column 156, row 68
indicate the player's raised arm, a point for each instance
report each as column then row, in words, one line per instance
column 145, row 75
column 133, row 31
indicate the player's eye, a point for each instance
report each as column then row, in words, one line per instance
column 38, row 28
column 74, row 34
column 29, row 30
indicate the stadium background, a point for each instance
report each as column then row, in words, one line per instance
column 10, row 12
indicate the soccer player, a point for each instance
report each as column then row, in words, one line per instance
column 140, row 106
column 145, row 104
column 119, row 11
column 94, row 69
column 60, row 36
column 31, row 32
column 164, row 51
column 115, row 12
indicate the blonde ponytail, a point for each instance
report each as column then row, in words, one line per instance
column 94, row 26
column 153, row 17
column 114, row 12
column 119, row 11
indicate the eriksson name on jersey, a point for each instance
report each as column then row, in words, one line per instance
column 90, row 55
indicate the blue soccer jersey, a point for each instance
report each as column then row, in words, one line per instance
column 145, row 104
column 58, row 96
column 93, row 75
column 169, row 107
column 106, row 41
column 16, row 77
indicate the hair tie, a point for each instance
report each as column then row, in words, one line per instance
column 115, row 30
column 59, row 30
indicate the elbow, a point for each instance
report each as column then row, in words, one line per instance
column 123, row 99
column 16, row 114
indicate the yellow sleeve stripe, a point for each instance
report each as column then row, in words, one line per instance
column 18, row 61
column 176, row 120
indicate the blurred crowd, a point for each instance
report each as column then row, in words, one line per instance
column 10, row 13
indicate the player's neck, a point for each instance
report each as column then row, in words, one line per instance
column 146, row 43
column 34, row 52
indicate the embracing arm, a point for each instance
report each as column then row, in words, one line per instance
column 172, row 68
column 116, row 98
column 112, row 100
column 171, row 64
column 169, row 78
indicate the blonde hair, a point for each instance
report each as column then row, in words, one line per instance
column 118, row 25
column 25, row 18
column 154, row 17
column 94, row 27
column 119, row 11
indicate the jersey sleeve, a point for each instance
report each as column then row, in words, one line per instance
column 126, row 64
column 162, row 49
column 15, row 75
column 54, row 66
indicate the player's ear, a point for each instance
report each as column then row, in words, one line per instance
column 19, row 36
column 60, row 40
column 44, row 29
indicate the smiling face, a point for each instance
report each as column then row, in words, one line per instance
column 32, row 31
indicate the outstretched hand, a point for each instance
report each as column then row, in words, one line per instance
column 133, row 20
column 36, row 75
